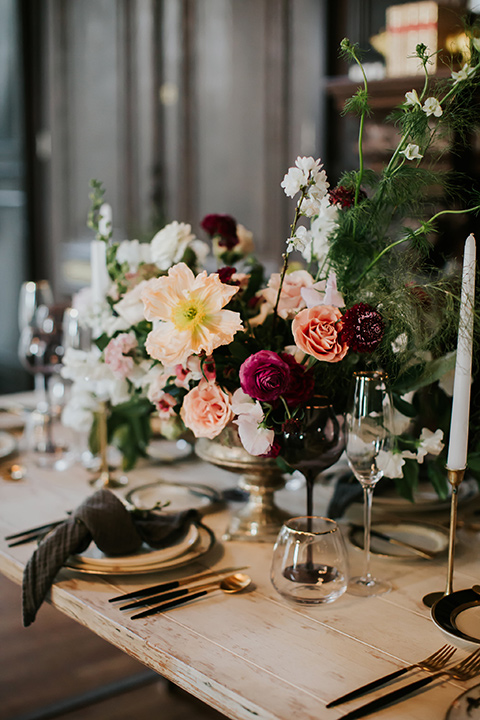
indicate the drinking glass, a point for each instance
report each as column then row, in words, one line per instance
column 41, row 352
column 367, row 423
column 310, row 561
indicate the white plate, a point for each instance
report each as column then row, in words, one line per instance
column 433, row 538
column 426, row 499
column 95, row 558
column 466, row 706
column 458, row 616
column 8, row 444
column 179, row 496
column 112, row 566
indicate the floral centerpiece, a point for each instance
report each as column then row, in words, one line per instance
column 205, row 350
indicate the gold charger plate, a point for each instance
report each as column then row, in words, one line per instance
column 142, row 563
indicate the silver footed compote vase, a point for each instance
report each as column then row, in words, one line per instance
column 259, row 519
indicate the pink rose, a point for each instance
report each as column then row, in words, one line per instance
column 317, row 330
column 116, row 354
column 291, row 298
column 206, row 410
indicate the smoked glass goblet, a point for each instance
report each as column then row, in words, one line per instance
column 367, row 422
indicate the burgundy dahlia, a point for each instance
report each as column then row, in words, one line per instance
column 344, row 197
column 222, row 226
column 225, row 273
column 301, row 384
column 264, row 376
column 363, row 328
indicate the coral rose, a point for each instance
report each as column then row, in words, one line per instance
column 206, row 410
column 291, row 298
column 317, row 330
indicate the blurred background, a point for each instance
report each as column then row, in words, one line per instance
column 183, row 108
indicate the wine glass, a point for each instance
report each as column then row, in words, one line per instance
column 314, row 441
column 32, row 296
column 367, row 423
column 40, row 351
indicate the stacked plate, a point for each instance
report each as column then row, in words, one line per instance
column 197, row 542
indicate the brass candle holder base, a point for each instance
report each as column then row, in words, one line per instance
column 105, row 479
column 455, row 478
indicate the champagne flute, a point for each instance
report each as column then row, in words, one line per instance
column 367, row 423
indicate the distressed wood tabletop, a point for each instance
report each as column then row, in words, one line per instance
column 253, row 654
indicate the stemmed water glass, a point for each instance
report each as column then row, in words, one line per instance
column 367, row 423
column 41, row 352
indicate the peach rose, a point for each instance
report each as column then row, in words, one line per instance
column 206, row 410
column 291, row 299
column 316, row 331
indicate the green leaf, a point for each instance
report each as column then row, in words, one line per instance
column 283, row 465
column 407, row 485
column 474, row 461
column 403, row 406
column 439, row 480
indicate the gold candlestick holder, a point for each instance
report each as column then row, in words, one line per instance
column 105, row 478
column 455, row 478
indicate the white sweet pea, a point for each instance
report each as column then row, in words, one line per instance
column 301, row 241
column 463, row 74
column 134, row 253
column 256, row 440
column 411, row 152
column 307, row 171
column 321, row 228
column 430, row 443
column 390, row 463
column 243, row 404
column 431, row 106
column 411, row 98
column 323, row 293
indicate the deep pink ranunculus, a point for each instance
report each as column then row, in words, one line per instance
column 301, row 384
column 264, row 376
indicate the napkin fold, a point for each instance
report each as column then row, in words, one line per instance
column 103, row 518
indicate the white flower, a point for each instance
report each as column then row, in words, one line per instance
column 430, row 443
column 412, row 98
column 323, row 293
column 411, row 152
column 243, row 404
column 431, row 106
column 390, row 463
column 310, row 207
column 169, row 244
column 256, row 440
column 201, row 250
column 321, row 228
column 130, row 307
column 302, row 239
column 134, row 253
column 307, row 172
column 400, row 343
column 463, row 74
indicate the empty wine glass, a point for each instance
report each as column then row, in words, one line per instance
column 367, row 423
column 32, row 296
column 41, row 352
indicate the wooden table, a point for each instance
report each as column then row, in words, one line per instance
column 252, row 655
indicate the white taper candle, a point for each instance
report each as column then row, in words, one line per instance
column 457, row 448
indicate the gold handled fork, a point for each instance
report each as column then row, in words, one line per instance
column 435, row 661
column 466, row 669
